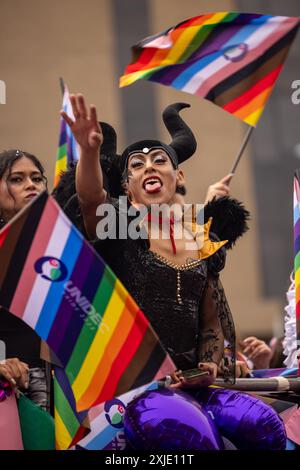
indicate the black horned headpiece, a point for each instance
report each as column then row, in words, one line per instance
column 183, row 144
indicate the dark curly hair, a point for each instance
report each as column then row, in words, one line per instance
column 9, row 157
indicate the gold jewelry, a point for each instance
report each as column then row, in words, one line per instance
column 178, row 268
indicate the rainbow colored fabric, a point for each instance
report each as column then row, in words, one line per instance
column 70, row 425
column 53, row 280
column 106, row 422
column 67, row 148
column 232, row 59
column 278, row 372
column 297, row 251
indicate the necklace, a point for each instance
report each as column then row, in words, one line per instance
column 178, row 268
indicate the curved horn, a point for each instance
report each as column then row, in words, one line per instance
column 184, row 142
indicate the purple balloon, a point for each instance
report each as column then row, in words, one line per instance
column 169, row 420
column 244, row 419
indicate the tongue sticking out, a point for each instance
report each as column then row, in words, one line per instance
column 152, row 187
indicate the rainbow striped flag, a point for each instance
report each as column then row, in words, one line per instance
column 68, row 151
column 52, row 279
column 297, row 251
column 70, row 426
column 106, row 422
column 232, row 59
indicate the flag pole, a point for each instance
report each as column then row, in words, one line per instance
column 57, row 172
column 62, row 85
column 240, row 152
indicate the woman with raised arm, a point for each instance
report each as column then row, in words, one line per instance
column 174, row 279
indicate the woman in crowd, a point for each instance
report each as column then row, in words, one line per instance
column 22, row 177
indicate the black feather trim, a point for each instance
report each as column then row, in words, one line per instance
column 112, row 181
column 216, row 262
column 65, row 192
column 229, row 219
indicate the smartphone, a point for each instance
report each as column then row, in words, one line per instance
column 191, row 374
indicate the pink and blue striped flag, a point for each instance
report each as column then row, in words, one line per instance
column 297, row 252
column 52, row 279
column 232, row 59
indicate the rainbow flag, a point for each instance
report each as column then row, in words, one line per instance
column 232, row 59
column 106, row 422
column 297, row 251
column 52, row 279
column 68, row 151
column 70, row 426
column 10, row 428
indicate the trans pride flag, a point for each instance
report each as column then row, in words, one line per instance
column 67, row 148
column 232, row 59
column 52, row 279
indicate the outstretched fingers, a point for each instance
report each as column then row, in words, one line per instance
column 80, row 111
column 93, row 115
column 81, row 106
column 67, row 118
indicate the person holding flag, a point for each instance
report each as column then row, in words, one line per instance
column 67, row 153
column 177, row 288
column 22, row 177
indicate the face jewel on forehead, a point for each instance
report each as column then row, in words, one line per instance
column 146, row 150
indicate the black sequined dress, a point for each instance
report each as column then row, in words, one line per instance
column 191, row 327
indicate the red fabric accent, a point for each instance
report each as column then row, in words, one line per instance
column 80, row 434
column 4, row 234
column 171, row 224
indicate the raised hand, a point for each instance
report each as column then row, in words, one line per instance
column 219, row 189
column 85, row 126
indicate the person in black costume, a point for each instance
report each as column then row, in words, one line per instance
column 177, row 288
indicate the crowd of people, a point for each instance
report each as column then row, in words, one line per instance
column 178, row 288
